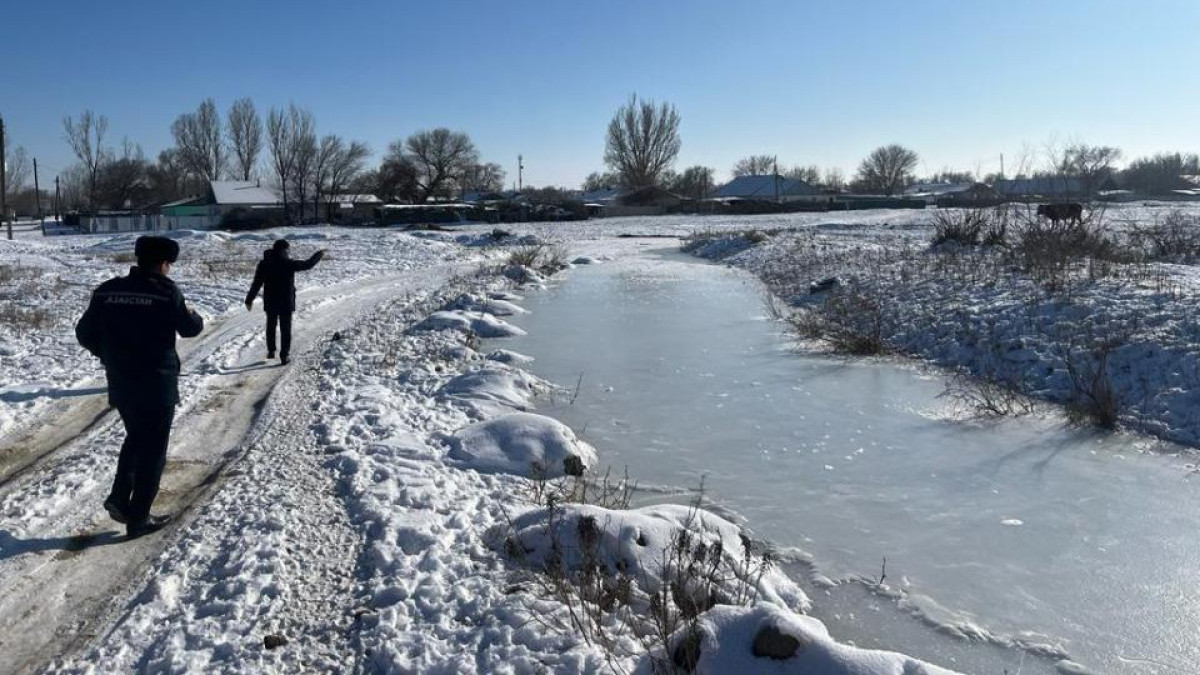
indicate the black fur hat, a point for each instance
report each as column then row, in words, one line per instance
column 151, row 251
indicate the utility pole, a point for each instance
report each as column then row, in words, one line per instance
column 37, row 196
column 1002, row 165
column 775, row 164
column 4, row 182
column 520, row 172
column 57, row 218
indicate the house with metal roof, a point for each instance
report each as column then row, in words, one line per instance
column 1044, row 187
column 235, row 204
column 767, row 188
column 954, row 194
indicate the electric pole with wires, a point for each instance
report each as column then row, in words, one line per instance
column 4, row 182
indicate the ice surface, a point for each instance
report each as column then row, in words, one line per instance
column 683, row 379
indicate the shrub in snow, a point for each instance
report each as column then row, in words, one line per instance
column 522, row 444
column 479, row 323
column 523, row 274
column 584, row 260
column 667, row 549
column 493, row 389
column 769, row 638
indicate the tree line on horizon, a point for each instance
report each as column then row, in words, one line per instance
column 642, row 144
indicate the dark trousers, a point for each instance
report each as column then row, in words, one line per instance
column 285, row 333
column 143, row 455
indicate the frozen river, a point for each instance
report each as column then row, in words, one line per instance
column 1040, row 541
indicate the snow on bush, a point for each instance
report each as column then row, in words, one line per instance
column 646, row 545
column 523, row 274
column 493, row 389
column 522, row 444
column 769, row 638
column 480, row 323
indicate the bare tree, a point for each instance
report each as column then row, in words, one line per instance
column 808, row 174
column 1160, row 174
column 305, row 167
column 1091, row 164
column 168, row 178
column 754, row 165
column 200, row 142
column 75, row 187
column 643, row 142
column 86, row 138
column 599, row 181
column 440, row 157
column 291, row 139
column 123, row 180
column 337, row 165
column 487, row 177
column 245, row 136
column 834, row 179
column 695, row 182
column 396, row 180
column 16, row 170
column 887, row 169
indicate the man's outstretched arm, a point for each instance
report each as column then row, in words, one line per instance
column 301, row 265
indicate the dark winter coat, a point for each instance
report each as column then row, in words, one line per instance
column 131, row 323
column 276, row 276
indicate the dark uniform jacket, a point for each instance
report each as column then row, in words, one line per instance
column 131, row 324
column 276, row 276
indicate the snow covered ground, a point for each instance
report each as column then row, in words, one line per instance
column 356, row 511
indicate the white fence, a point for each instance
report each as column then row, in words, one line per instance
column 144, row 223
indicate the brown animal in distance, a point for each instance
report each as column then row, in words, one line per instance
column 1072, row 211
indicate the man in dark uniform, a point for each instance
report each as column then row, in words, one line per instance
column 276, row 276
column 131, row 325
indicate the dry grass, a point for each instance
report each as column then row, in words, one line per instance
column 548, row 259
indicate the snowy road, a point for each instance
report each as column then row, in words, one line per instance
column 62, row 562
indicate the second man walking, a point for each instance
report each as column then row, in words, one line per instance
column 276, row 277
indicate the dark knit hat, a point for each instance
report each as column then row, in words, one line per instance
column 151, row 251
column 281, row 245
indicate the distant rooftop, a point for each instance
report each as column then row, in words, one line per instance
column 763, row 187
column 243, row 192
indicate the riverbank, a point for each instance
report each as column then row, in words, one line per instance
column 1113, row 341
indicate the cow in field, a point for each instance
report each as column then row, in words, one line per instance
column 1072, row 211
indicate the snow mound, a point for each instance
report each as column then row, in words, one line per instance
column 638, row 541
column 505, row 295
column 585, row 260
column 493, row 389
column 767, row 638
column 509, row 357
column 523, row 275
column 524, row 444
column 459, row 353
column 475, row 303
column 481, row 323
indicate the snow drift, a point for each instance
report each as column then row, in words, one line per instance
column 523, row 444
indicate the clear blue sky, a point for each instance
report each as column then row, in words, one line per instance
column 813, row 82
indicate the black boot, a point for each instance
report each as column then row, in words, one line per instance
column 115, row 511
column 150, row 524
